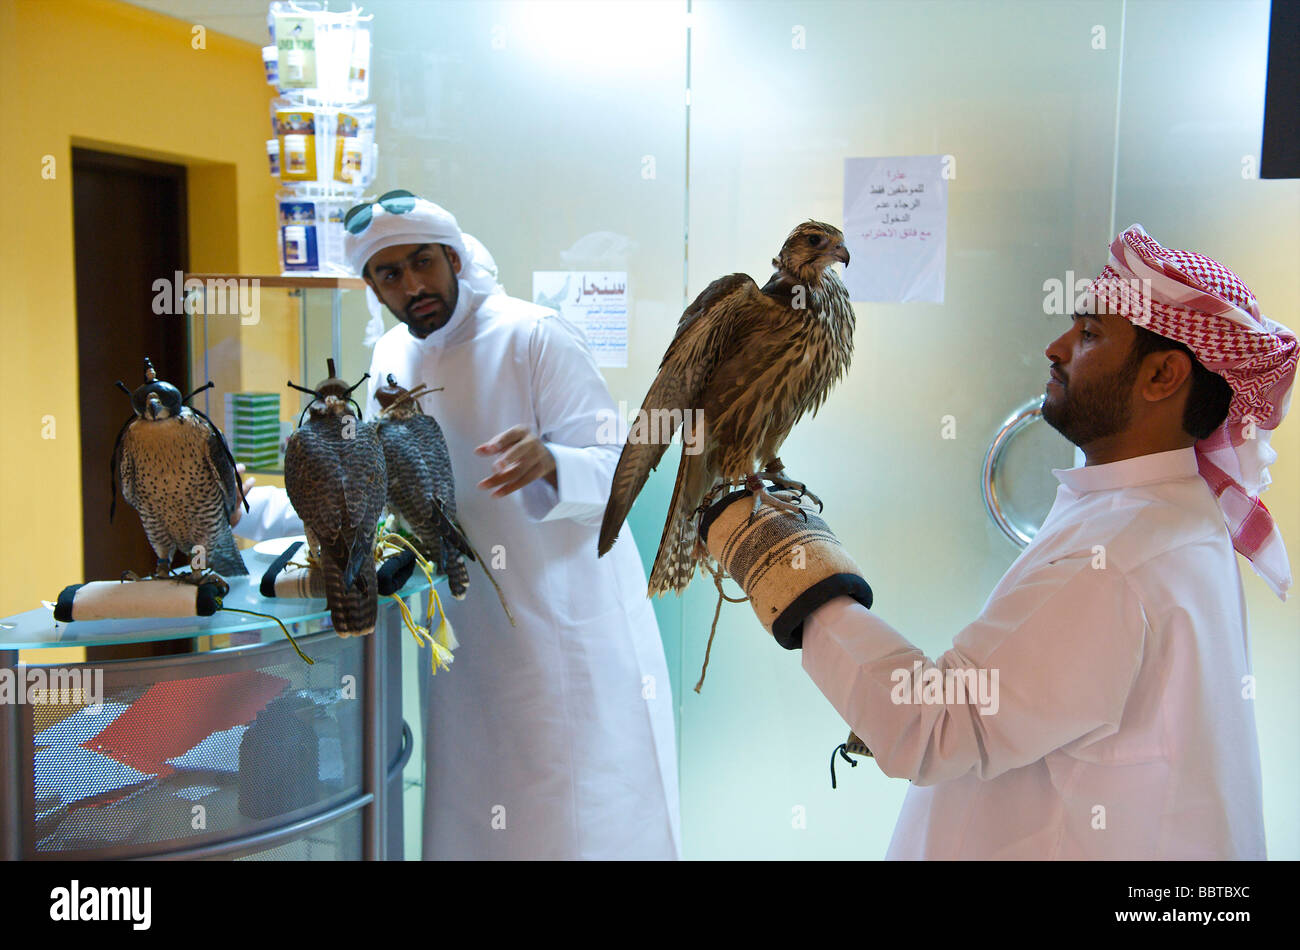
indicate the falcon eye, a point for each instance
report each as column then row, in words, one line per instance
column 814, row 239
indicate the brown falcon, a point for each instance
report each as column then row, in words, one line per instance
column 421, row 486
column 176, row 471
column 742, row 369
column 336, row 479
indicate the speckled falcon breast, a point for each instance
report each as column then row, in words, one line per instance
column 175, row 474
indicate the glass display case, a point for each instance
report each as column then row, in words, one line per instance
column 250, row 334
column 198, row 712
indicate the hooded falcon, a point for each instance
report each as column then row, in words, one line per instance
column 421, row 489
column 335, row 476
column 176, row 471
column 742, row 369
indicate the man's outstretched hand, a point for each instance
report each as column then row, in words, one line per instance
column 522, row 457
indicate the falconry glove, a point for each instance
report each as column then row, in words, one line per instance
column 787, row 564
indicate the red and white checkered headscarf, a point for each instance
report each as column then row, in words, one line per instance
column 1195, row 300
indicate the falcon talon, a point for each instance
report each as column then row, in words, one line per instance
column 206, row 577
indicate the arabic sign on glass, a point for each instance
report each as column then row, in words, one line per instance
column 895, row 227
column 594, row 301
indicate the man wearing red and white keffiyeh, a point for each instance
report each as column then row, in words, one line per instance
column 1196, row 301
column 1114, row 714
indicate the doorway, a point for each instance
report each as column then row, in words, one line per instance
column 130, row 230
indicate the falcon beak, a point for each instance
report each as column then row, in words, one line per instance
column 841, row 254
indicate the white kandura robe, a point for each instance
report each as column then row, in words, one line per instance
column 1124, row 727
column 553, row 739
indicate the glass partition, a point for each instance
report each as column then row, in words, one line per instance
column 677, row 142
column 781, row 94
column 556, row 133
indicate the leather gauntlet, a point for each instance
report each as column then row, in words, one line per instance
column 787, row 565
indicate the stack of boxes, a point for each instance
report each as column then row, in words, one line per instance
column 253, row 428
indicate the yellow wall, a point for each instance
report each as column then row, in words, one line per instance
column 102, row 74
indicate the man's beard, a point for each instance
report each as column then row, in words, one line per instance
column 1084, row 412
column 419, row 325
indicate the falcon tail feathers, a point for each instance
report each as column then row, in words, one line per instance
column 457, row 572
column 225, row 558
column 674, row 564
column 351, row 613
column 641, row 455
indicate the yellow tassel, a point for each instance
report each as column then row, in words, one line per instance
column 441, row 641
column 445, row 635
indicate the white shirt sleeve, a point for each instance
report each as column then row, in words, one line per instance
column 1047, row 664
column 577, row 420
column 269, row 515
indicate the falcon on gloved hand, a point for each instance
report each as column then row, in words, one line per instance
column 745, row 365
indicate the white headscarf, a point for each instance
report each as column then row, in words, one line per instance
column 481, row 271
column 425, row 223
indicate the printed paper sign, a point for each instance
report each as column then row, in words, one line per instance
column 594, row 301
column 895, row 227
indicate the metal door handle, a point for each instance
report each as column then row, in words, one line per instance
column 1014, row 423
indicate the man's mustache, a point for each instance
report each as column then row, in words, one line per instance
column 425, row 298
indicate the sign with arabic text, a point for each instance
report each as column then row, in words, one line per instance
column 594, row 301
column 895, row 227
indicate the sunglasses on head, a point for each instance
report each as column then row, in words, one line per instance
column 359, row 217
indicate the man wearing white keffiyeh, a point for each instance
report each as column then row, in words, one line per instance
column 1120, row 721
column 551, row 738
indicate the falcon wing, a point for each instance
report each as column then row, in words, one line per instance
column 365, row 489
column 124, row 468
column 712, row 329
column 780, row 288
column 709, row 298
column 222, row 467
column 312, row 476
column 450, row 530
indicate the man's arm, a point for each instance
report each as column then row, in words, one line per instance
column 1050, row 663
column 269, row 515
column 577, row 424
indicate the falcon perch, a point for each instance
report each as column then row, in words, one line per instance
column 743, row 368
